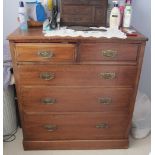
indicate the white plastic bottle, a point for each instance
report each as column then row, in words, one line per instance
column 22, row 15
column 127, row 15
column 115, row 16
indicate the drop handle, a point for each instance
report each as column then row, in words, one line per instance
column 108, row 75
column 109, row 53
column 50, row 127
column 48, row 101
column 47, row 76
column 105, row 100
column 102, row 126
column 46, row 54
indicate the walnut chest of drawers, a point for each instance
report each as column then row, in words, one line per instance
column 75, row 93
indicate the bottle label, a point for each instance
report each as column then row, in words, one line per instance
column 115, row 16
column 23, row 22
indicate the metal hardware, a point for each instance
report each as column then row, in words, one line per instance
column 108, row 75
column 105, row 100
column 50, row 127
column 48, row 101
column 47, row 76
column 46, row 54
column 109, row 53
column 102, row 126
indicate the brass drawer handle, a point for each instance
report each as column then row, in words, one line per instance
column 109, row 53
column 105, row 100
column 48, row 101
column 50, row 127
column 47, row 76
column 45, row 54
column 102, row 126
column 108, row 75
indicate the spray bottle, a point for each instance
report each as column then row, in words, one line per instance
column 127, row 14
column 22, row 16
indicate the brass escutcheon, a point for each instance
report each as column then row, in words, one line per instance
column 47, row 76
column 45, row 54
column 108, row 75
column 48, row 101
column 102, row 126
column 50, row 127
column 109, row 53
column 105, row 100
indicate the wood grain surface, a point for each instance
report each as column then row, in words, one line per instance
column 84, row 96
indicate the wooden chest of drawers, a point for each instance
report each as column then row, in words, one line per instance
column 75, row 93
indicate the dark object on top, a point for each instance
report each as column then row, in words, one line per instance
column 83, row 12
column 84, row 28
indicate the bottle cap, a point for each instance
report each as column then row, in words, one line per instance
column 128, row 1
column 115, row 3
column 21, row 4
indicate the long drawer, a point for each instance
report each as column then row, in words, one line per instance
column 77, row 126
column 108, row 52
column 45, row 52
column 75, row 99
column 77, row 75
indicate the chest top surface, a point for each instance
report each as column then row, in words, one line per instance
column 36, row 34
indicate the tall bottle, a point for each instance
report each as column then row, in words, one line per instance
column 115, row 16
column 127, row 14
column 121, row 8
column 22, row 16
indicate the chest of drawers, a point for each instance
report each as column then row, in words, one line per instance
column 75, row 93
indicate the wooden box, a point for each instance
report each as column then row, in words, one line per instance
column 84, row 12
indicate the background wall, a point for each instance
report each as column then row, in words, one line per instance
column 141, row 20
column 10, row 13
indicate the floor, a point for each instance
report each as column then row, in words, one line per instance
column 137, row 147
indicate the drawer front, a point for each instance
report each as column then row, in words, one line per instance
column 108, row 51
column 75, row 126
column 75, row 99
column 77, row 75
column 53, row 52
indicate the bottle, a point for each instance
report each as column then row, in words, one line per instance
column 22, row 16
column 127, row 14
column 121, row 8
column 115, row 16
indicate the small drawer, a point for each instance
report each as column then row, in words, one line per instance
column 53, row 52
column 69, row 126
column 75, row 99
column 108, row 52
column 77, row 75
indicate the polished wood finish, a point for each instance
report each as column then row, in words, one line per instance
column 84, row 12
column 89, row 87
column 76, row 144
column 95, row 100
column 36, row 35
column 108, row 52
column 77, row 126
column 81, row 75
column 30, row 52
